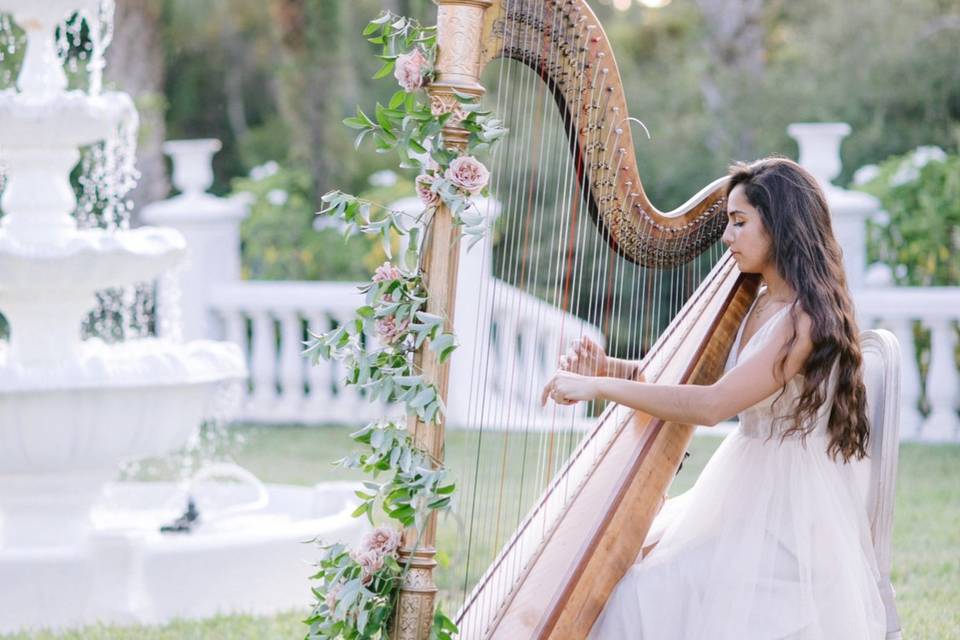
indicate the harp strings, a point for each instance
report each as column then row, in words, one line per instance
column 550, row 248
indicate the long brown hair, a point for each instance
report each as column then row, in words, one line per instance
column 808, row 257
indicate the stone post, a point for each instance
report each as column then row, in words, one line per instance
column 211, row 226
column 819, row 145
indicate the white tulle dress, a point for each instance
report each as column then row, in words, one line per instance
column 772, row 542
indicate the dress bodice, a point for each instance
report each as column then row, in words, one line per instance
column 773, row 414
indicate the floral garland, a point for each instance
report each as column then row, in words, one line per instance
column 358, row 589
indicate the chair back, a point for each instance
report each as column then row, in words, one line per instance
column 877, row 474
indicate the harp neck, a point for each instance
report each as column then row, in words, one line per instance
column 564, row 43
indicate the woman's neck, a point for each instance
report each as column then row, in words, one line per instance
column 777, row 287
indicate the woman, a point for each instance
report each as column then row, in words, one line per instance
column 773, row 541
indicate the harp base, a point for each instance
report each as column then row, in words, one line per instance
column 413, row 616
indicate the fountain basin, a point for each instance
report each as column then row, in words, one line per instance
column 48, row 11
column 47, row 290
column 126, row 572
column 138, row 399
column 64, row 120
column 89, row 260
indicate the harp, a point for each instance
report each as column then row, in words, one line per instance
column 558, row 535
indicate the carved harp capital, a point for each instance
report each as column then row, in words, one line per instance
column 459, row 25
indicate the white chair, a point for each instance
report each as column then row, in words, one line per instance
column 877, row 474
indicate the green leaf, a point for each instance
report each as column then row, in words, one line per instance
column 365, row 118
column 439, row 504
column 384, row 70
column 397, row 99
column 403, row 514
column 416, row 146
column 355, row 123
column 423, row 397
column 362, row 509
column 446, row 489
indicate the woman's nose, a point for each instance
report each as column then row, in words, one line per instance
column 727, row 237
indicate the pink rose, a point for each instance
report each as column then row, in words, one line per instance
column 468, row 173
column 408, row 70
column 370, row 562
column 387, row 272
column 428, row 197
column 390, row 330
column 382, row 540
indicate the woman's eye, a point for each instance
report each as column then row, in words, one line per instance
column 738, row 224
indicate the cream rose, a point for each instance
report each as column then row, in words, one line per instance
column 428, row 196
column 386, row 272
column 389, row 330
column 468, row 173
column 370, row 562
column 382, row 540
column 408, row 70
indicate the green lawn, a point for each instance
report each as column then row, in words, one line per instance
column 926, row 571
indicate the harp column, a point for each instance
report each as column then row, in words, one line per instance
column 459, row 27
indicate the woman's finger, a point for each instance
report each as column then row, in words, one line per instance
column 546, row 393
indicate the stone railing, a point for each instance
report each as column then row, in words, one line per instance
column 930, row 377
column 521, row 335
column 271, row 320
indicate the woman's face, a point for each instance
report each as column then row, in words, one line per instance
column 745, row 235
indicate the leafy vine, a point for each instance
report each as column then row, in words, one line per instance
column 357, row 589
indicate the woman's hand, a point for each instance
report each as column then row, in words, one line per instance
column 569, row 388
column 584, row 357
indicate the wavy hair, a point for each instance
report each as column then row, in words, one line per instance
column 808, row 257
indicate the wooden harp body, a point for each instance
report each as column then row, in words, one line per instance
column 551, row 577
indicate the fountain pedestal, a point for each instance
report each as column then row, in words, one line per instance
column 75, row 548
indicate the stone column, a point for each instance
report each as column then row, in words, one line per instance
column 211, row 226
column 819, row 145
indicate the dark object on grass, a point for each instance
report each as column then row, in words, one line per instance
column 186, row 522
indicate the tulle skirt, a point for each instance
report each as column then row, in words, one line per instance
column 773, row 541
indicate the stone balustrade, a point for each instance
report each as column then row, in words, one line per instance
column 270, row 320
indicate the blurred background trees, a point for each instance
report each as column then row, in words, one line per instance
column 713, row 80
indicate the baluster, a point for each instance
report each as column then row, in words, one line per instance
column 291, row 363
column 263, row 362
column 910, row 417
column 526, row 365
column 235, row 328
column 320, row 376
column 508, row 373
column 942, row 425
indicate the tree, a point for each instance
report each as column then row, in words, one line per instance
column 135, row 64
column 309, row 34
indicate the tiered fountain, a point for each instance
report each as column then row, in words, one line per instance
column 75, row 547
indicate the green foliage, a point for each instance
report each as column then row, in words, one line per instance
column 920, row 241
column 415, row 488
column 395, row 311
column 360, row 605
column 279, row 241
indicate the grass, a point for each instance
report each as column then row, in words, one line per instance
column 926, row 538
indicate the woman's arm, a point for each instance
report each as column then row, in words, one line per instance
column 621, row 368
column 745, row 385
